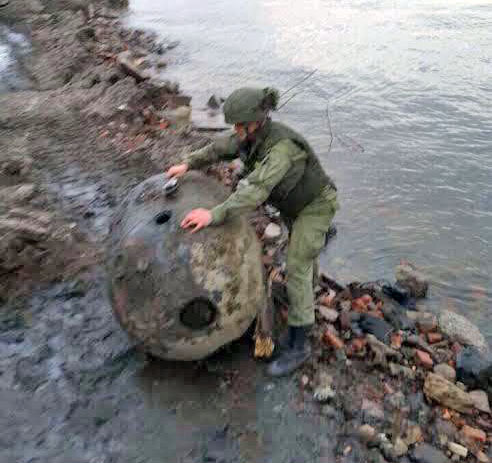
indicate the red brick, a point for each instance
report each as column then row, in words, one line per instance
column 358, row 344
column 424, row 359
column 358, row 305
column 332, row 340
column 434, row 337
column 366, row 299
column 473, row 434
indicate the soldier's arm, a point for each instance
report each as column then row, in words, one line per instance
column 221, row 149
column 257, row 186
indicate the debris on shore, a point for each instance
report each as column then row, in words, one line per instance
column 400, row 383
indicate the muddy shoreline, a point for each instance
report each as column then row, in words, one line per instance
column 92, row 125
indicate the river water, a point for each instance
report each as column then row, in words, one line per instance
column 409, row 96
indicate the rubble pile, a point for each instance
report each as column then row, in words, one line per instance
column 422, row 384
column 412, row 385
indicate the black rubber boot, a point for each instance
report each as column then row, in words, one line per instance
column 295, row 353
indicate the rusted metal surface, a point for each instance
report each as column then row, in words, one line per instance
column 182, row 295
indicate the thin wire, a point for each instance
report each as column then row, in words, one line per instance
column 298, row 83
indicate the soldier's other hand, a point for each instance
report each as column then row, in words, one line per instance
column 197, row 218
column 177, row 170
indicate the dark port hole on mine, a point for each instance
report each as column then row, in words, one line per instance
column 198, row 313
column 163, row 217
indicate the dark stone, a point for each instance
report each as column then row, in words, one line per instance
column 213, row 102
column 376, row 326
column 397, row 316
column 474, row 369
column 419, row 410
column 425, row 453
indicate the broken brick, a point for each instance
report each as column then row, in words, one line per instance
column 473, row 434
column 433, row 337
column 358, row 344
column 424, row 359
column 333, row 340
column 358, row 305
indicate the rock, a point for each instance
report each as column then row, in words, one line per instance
column 16, row 165
column 358, row 344
column 416, row 341
column 397, row 316
column 426, row 322
column 400, row 447
column 481, row 457
column 434, row 337
column 17, row 193
column 331, row 339
column 413, row 435
column 474, row 369
column 130, row 68
column 24, row 229
column 182, row 295
column 214, row 102
column 446, row 371
column 425, row 453
column 376, row 326
column 412, row 279
column 272, row 232
column 423, row 359
column 481, row 400
column 445, row 427
column 388, row 451
column 330, row 315
column 447, row 394
column 329, row 411
column 400, row 370
column 367, row 433
column 396, row 400
column 324, row 393
column 328, row 299
column 372, row 412
column 473, row 434
column 381, row 351
column 458, row 449
column 458, row 328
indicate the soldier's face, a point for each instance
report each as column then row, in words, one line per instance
column 246, row 130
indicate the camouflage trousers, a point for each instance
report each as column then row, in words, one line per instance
column 307, row 239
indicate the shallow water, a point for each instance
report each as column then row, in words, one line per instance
column 410, row 103
column 12, row 46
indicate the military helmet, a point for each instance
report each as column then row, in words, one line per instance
column 248, row 104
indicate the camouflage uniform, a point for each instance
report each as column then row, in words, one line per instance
column 281, row 170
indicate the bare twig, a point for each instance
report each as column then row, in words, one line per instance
column 329, row 126
column 286, row 101
column 298, row 83
column 293, row 87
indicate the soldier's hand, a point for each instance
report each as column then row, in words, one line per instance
column 197, row 218
column 177, row 170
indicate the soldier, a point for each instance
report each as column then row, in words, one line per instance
column 284, row 172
